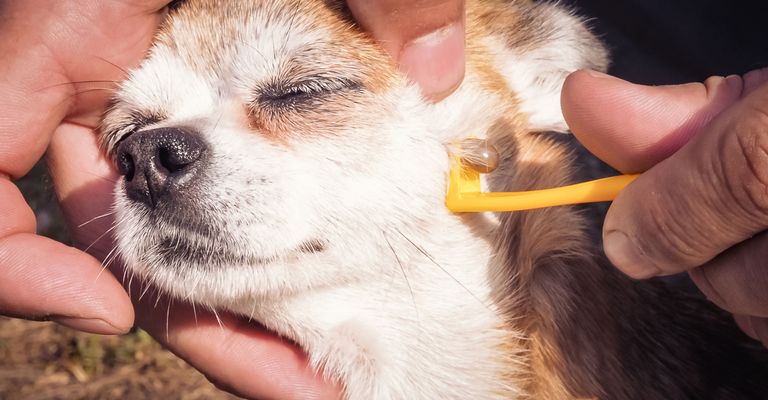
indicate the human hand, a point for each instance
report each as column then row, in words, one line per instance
column 60, row 62
column 425, row 38
column 702, row 204
column 41, row 278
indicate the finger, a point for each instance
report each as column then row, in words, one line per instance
column 41, row 278
column 105, row 40
column 47, row 45
column 84, row 181
column 632, row 127
column 737, row 280
column 58, row 282
column 425, row 38
column 707, row 197
column 238, row 356
column 17, row 217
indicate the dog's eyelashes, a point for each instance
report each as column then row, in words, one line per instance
column 173, row 5
column 304, row 92
column 289, row 96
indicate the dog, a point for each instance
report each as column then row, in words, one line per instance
column 277, row 165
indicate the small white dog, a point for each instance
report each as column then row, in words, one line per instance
column 277, row 165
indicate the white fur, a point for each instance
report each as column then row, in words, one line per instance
column 398, row 304
column 537, row 74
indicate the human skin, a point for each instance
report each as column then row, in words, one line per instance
column 60, row 62
column 701, row 205
column 47, row 46
column 424, row 37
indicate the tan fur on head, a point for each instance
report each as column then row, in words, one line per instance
column 319, row 208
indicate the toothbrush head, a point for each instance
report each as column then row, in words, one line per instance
column 472, row 157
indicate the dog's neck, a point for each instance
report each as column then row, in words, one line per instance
column 413, row 310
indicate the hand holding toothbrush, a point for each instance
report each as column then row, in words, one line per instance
column 702, row 203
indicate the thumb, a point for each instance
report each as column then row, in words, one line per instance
column 702, row 200
column 633, row 127
column 60, row 60
column 424, row 37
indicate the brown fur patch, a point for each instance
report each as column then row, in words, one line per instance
column 526, row 240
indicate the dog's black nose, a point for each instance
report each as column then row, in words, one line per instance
column 159, row 163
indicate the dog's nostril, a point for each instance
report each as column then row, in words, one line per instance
column 125, row 165
column 176, row 156
column 158, row 163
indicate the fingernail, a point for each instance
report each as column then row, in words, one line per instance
column 436, row 61
column 626, row 256
column 91, row 325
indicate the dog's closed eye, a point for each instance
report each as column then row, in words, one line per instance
column 173, row 5
column 304, row 92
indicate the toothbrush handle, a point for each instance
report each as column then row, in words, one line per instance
column 604, row 189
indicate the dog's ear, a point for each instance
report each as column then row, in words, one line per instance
column 544, row 44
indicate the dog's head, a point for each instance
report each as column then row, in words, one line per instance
column 264, row 146
column 269, row 147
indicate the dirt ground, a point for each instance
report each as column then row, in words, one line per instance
column 45, row 361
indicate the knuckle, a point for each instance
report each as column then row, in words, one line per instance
column 745, row 161
column 666, row 239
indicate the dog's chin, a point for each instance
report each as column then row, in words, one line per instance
column 216, row 254
column 179, row 252
column 207, row 271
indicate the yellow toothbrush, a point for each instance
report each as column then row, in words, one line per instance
column 475, row 157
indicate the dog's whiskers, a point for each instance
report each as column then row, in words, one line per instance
column 96, row 218
column 100, row 237
column 218, row 319
column 106, row 262
column 168, row 319
column 145, row 290
column 405, row 276
column 130, row 282
column 194, row 312
column 55, row 85
column 433, row 261
column 123, row 70
column 157, row 299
